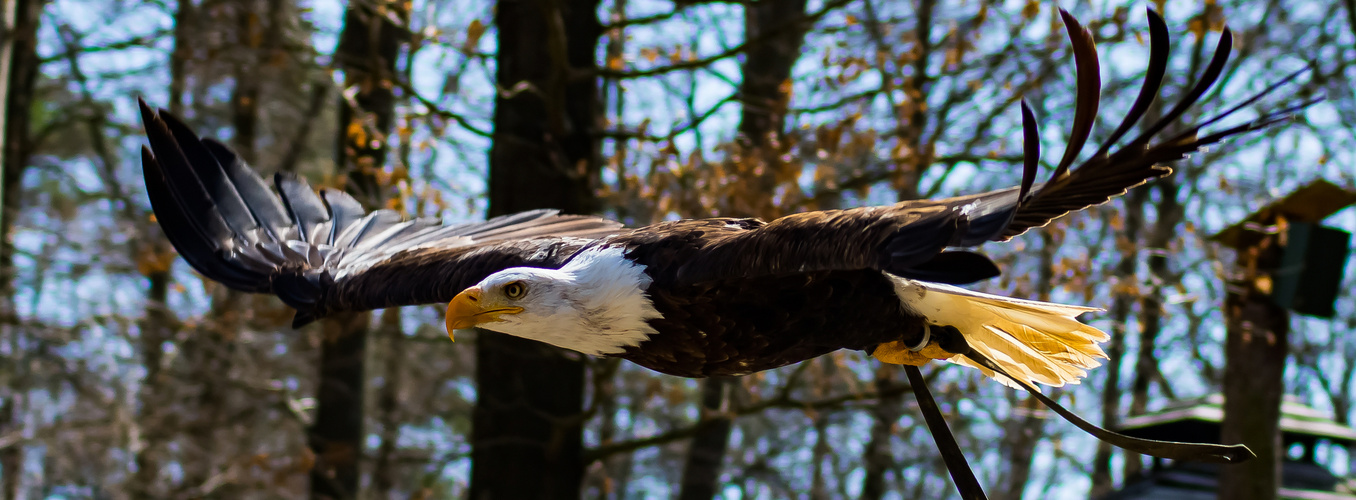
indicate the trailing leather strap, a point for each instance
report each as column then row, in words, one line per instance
column 1174, row 450
column 960, row 471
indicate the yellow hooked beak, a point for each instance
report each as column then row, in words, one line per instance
column 467, row 310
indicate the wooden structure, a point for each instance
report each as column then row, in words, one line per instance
column 1308, row 276
column 1273, row 247
column 1304, row 432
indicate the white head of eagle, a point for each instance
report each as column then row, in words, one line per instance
column 595, row 304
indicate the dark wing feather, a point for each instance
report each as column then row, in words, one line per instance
column 303, row 206
column 907, row 238
column 344, row 210
column 186, row 234
column 322, row 253
column 1089, row 91
column 1107, row 175
column 182, row 186
column 1159, row 48
column 212, row 177
column 266, row 208
column 954, row 267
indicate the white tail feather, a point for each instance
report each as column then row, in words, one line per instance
column 1039, row 342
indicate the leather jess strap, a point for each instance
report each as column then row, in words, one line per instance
column 960, row 470
column 946, row 443
column 1175, row 450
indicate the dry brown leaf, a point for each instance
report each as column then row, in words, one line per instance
column 473, row 34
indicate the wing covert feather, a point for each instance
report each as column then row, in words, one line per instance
column 909, row 238
column 321, row 253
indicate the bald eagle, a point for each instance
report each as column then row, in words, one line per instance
column 692, row 298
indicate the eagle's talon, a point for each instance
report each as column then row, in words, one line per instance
column 951, row 340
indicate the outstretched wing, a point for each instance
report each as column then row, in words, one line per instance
column 1109, row 174
column 322, row 253
column 908, row 238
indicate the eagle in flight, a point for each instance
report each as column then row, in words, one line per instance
column 693, row 298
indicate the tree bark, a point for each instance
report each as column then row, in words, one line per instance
column 245, row 93
column 766, row 92
column 527, row 426
column 767, row 66
column 184, row 24
column 18, row 72
column 156, row 327
column 878, row 460
column 701, row 471
column 611, row 482
column 1022, row 432
column 9, row 12
column 336, row 434
column 388, row 404
column 545, row 153
column 368, row 47
column 920, row 85
column 818, row 485
column 207, row 355
column 1255, row 348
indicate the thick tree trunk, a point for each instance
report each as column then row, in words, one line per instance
column 1022, row 432
column 1255, row 348
column 527, row 427
column 542, row 134
column 819, row 489
column 913, row 126
column 184, row 23
column 877, row 460
column 616, row 468
column 767, row 66
column 701, row 472
column 766, row 94
column 9, row 11
column 245, row 94
column 156, row 327
column 368, row 47
column 18, row 72
column 336, row 434
column 388, row 404
column 207, row 355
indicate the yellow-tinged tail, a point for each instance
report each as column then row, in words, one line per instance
column 1040, row 342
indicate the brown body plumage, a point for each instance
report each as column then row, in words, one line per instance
column 733, row 296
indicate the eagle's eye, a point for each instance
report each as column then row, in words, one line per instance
column 515, row 290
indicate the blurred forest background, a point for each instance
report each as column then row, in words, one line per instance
column 126, row 375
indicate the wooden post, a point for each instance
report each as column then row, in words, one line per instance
column 1255, row 352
